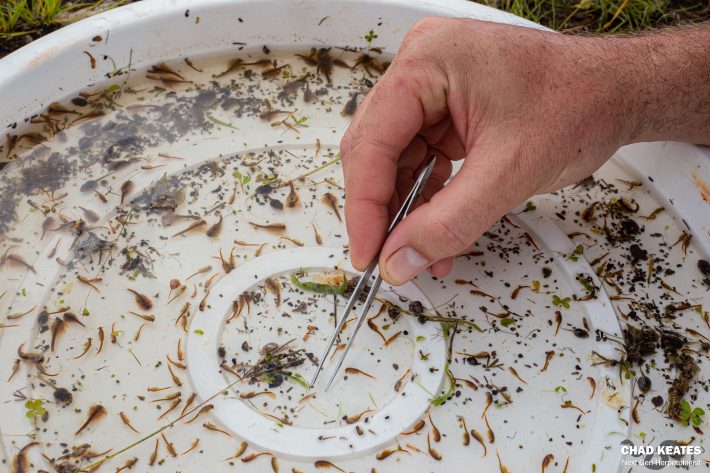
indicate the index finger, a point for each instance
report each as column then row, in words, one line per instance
column 384, row 125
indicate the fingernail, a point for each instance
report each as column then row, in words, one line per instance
column 404, row 264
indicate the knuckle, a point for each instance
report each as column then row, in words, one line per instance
column 421, row 28
column 427, row 24
column 413, row 74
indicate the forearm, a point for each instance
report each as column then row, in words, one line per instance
column 667, row 76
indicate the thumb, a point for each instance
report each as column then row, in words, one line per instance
column 450, row 222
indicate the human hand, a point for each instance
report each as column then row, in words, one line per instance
column 529, row 111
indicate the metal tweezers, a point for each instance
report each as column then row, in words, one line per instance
column 362, row 284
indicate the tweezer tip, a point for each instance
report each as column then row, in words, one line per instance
column 330, row 383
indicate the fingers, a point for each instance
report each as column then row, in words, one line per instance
column 385, row 124
column 452, row 220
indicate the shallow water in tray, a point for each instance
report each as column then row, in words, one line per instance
column 170, row 242
column 124, row 206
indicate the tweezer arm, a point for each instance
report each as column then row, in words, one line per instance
column 366, row 307
column 362, row 283
column 343, row 318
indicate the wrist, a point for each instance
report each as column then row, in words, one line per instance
column 662, row 89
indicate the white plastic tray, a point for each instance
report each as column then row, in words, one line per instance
column 555, row 410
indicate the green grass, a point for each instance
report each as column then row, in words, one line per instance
column 23, row 20
column 28, row 17
column 605, row 16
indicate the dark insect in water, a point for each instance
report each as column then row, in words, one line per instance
column 169, row 446
column 580, row 333
column 479, row 438
column 199, row 223
column 331, row 201
column 350, row 106
column 236, row 64
column 627, row 205
column 101, row 340
column 272, row 227
column 127, row 421
column 264, row 189
column 96, row 412
column 95, row 113
column 227, row 264
column 386, row 453
column 92, row 244
column 323, row 62
column 174, row 377
column 188, row 403
column 16, row 260
column 101, row 197
column 154, row 455
column 320, row 464
column 274, row 71
column 432, row 451
column 558, row 321
column 490, row 433
column 434, row 430
column 204, row 410
column 546, row 461
column 292, row 240
column 308, row 95
column 143, row 301
column 360, row 372
column 466, row 435
column 588, row 214
column 489, row 402
column 369, row 63
column 644, row 384
column 89, row 282
column 191, row 65
column 90, row 215
column 21, row 463
column 15, row 369
column 163, row 68
column 87, row 346
column 215, row 230
column 62, row 395
column 170, row 408
column 240, row 451
column 515, row 373
column 319, row 239
column 130, row 463
column 704, row 267
column 415, row 428
column 32, row 357
column 293, row 86
column 46, row 226
column 267, row 116
column 292, row 199
column 548, row 357
column 276, row 204
column 166, row 194
column 58, row 328
column 166, row 80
